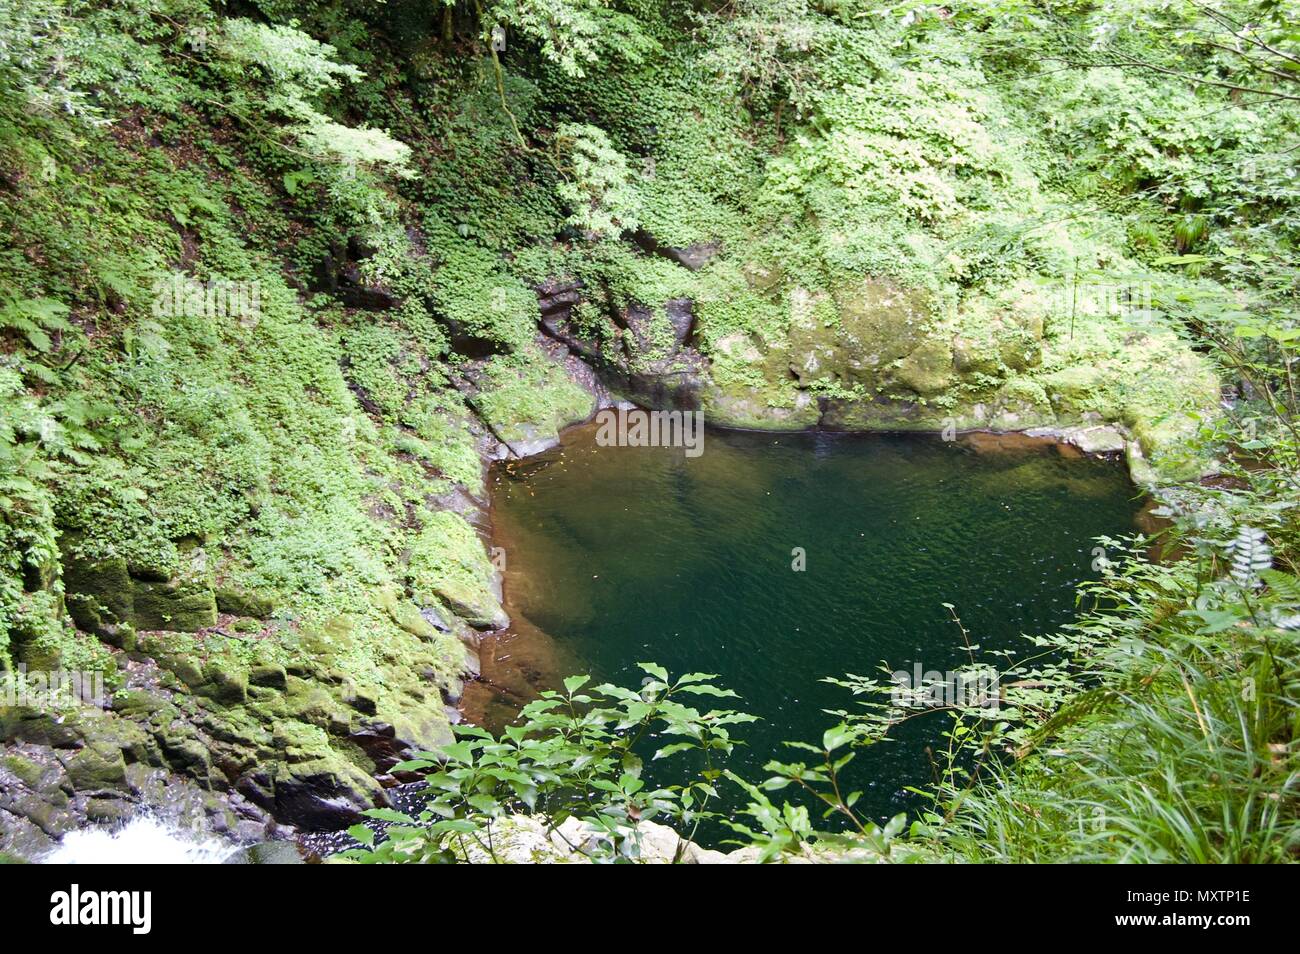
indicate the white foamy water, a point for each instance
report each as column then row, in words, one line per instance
column 141, row 841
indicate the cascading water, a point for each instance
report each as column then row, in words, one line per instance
column 142, row 840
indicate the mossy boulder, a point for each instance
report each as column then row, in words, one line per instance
column 268, row 676
column 1075, row 390
column 321, row 706
column 28, row 771
column 107, row 744
column 528, row 398
column 223, row 682
column 853, row 336
column 323, row 794
column 112, row 599
column 99, row 593
column 928, row 369
column 183, row 606
column 95, row 768
column 241, row 602
column 138, row 702
column 407, row 615
column 449, row 563
column 26, row 724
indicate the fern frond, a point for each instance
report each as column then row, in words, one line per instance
column 1250, row 555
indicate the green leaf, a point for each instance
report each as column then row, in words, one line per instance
column 707, row 690
column 654, row 669
column 837, row 736
column 573, row 683
column 362, row 834
column 673, row 749
column 389, row 815
column 484, row 803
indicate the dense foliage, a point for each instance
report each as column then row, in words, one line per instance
column 268, row 281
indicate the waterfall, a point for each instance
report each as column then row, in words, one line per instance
column 142, row 840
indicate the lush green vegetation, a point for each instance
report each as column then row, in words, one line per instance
column 267, row 289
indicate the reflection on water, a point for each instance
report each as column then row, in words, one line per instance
column 621, row 555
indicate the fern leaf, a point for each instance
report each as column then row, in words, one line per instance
column 1250, row 555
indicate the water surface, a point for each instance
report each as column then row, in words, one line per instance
column 619, row 555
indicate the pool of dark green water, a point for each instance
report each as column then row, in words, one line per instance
column 621, row 555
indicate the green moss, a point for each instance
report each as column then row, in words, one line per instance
column 183, row 606
column 27, row 771
column 99, row 592
column 927, row 369
column 528, row 396
column 448, row 563
column 243, row 602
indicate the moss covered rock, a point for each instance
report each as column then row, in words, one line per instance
column 99, row 593
column 177, row 605
column 241, row 602
column 928, row 368
column 852, row 337
column 449, row 564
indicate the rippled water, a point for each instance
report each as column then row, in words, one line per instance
column 619, row 555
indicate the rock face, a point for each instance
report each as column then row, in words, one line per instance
column 60, row 773
column 194, row 727
column 872, row 353
column 691, row 257
column 339, row 273
column 643, row 351
column 111, row 599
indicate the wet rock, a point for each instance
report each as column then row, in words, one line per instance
column 268, row 853
column 692, row 257
column 21, row 840
column 108, row 810
column 398, row 736
column 187, row 755
column 321, row 796
column 530, row 440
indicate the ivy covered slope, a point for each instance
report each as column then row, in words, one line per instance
column 821, row 216
column 235, row 474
